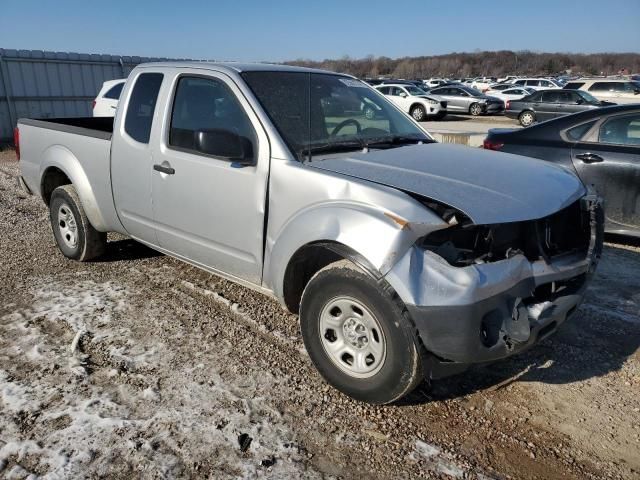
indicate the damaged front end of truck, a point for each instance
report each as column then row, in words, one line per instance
column 478, row 293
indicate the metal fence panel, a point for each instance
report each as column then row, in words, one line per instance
column 39, row 84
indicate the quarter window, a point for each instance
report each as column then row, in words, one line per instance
column 576, row 133
column 114, row 92
column 142, row 104
column 207, row 107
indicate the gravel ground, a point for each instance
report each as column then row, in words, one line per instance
column 139, row 366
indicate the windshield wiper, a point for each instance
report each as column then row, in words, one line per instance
column 360, row 144
column 395, row 140
column 333, row 147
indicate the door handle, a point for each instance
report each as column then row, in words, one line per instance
column 590, row 157
column 163, row 169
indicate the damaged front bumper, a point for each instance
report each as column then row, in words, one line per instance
column 487, row 311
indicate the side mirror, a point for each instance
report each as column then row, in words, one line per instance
column 403, row 95
column 636, row 91
column 580, row 101
column 226, row 145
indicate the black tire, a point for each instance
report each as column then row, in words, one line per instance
column 440, row 115
column 400, row 371
column 418, row 113
column 527, row 118
column 475, row 109
column 75, row 236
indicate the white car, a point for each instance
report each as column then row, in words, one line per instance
column 513, row 93
column 537, row 83
column 482, row 83
column 106, row 102
column 617, row 90
column 434, row 82
column 415, row 101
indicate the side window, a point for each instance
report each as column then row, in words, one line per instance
column 519, row 82
column 395, row 91
column 536, row 97
column 621, row 130
column 114, row 92
column 142, row 104
column 208, row 118
column 599, row 87
column 385, row 90
column 550, row 97
column 576, row 133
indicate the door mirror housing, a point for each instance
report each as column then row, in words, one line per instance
column 403, row 95
column 225, row 145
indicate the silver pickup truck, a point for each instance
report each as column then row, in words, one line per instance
column 404, row 258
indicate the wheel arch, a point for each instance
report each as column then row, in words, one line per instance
column 309, row 260
column 59, row 166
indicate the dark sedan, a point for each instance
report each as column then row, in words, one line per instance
column 548, row 104
column 602, row 146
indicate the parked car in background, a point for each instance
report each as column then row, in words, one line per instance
column 106, row 102
column 415, row 101
column 483, row 83
column 512, row 93
column 549, row 104
column 463, row 99
column 537, row 83
column 601, row 145
column 377, row 236
column 434, row 82
column 497, row 87
column 620, row 91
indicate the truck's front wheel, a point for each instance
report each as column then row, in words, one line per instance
column 358, row 336
column 75, row 236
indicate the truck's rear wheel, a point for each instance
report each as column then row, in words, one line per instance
column 75, row 236
column 358, row 336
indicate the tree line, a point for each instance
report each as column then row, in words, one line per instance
column 500, row 63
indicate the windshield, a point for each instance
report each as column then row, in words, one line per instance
column 415, row 90
column 323, row 113
column 587, row 96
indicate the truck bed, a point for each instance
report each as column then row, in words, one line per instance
column 98, row 127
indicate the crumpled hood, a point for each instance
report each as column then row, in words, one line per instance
column 489, row 187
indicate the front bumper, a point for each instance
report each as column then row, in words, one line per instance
column 485, row 312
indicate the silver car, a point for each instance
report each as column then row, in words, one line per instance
column 404, row 258
column 463, row 99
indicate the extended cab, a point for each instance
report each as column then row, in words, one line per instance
column 404, row 258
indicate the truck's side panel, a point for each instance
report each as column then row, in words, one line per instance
column 84, row 160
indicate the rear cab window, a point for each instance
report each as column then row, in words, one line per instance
column 142, row 105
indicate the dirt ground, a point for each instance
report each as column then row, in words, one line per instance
column 139, row 366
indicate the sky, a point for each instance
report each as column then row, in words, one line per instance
column 253, row 30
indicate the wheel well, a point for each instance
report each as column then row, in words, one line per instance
column 53, row 178
column 310, row 259
column 417, row 105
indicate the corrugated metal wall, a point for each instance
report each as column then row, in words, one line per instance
column 39, row 84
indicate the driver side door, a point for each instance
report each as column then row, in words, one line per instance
column 208, row 208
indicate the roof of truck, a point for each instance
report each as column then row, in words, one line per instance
column 236, row 66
